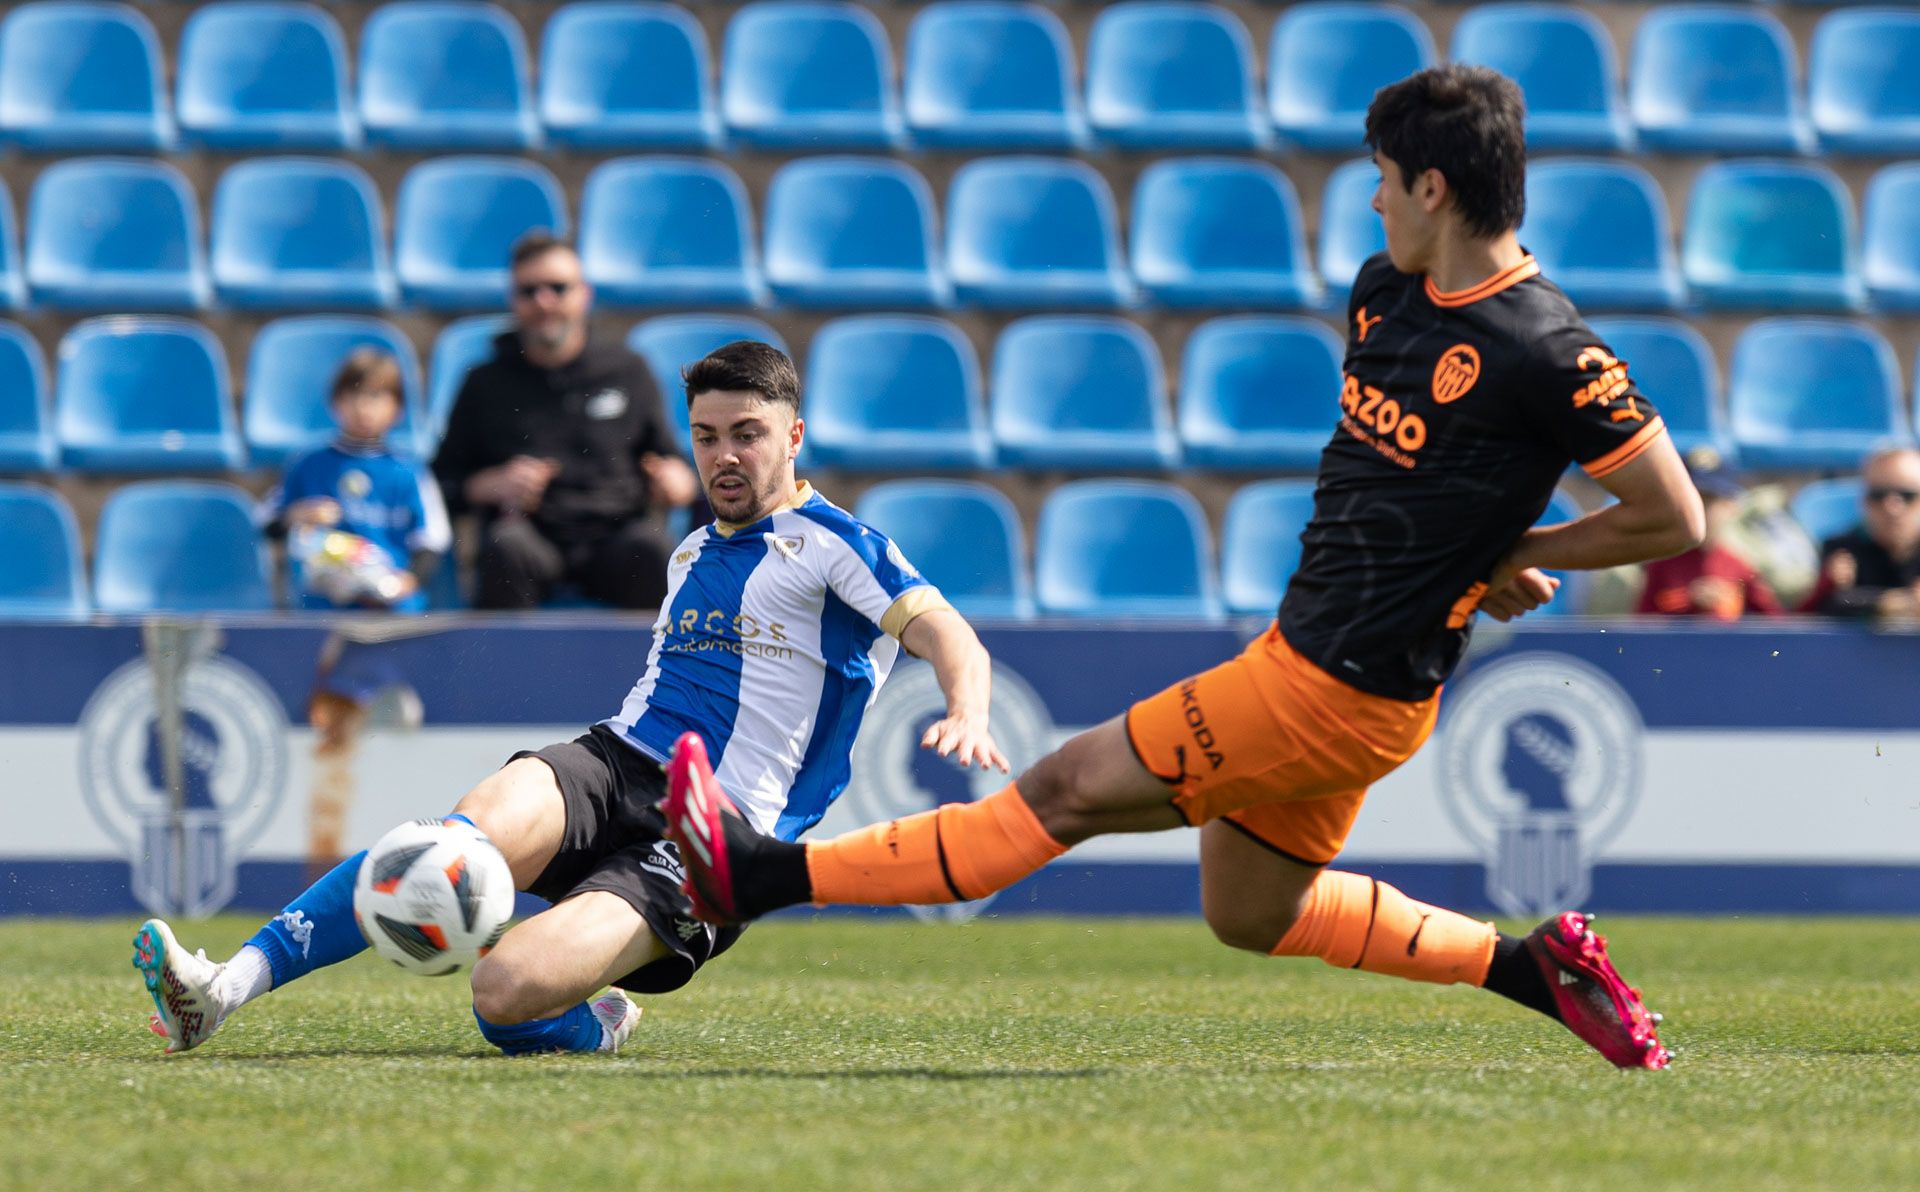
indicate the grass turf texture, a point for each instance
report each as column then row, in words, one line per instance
column 1009, row 1054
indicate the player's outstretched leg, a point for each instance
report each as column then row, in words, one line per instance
column 1593, row 1000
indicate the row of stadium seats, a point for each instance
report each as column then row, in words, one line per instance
column 440, row 74
column 1113, row 548
column 850, row 232
column 890, row 393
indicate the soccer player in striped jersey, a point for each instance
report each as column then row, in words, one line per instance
column 782, row 619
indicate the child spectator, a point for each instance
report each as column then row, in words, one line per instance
column 1711, row 580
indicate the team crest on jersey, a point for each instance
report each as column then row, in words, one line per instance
column 1456, row 373
column 1540, row 766
column 233, row 771
column 355, row 484
column 608, row 403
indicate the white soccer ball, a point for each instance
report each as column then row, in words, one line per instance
column 433, row 896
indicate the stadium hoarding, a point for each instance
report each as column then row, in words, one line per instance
column 1623, row 767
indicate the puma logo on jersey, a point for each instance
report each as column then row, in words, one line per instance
column 1362, row 324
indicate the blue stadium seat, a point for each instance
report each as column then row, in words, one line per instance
column 807, row 76
column 1350, row 230
column 13, row 286
column 1081, row 392
column 1563, row 59
column 1828, row 508
column 41, row 577
column 1716, row 79
column 852, row 231
column 992, row 75
column 296, row 232
column 1172, row 75
column 1034, row 231
column 669, row 343
column 1673, row 365
column 460, row 345
column 114, row 234
column 1124, row 548
column 1813, row 394
column 290, row 371
column 1771, row 234
column 627, row 75
column 1890, row 238
column 1259, row 391
column 26, row 421
column 145, row 395
column 445, row 74
column 1220, row 231
column 267, row 75
column 1260, row 544
column 1863, row 81
column 179, row 546
column 77, row 76
column 895, row 393
column 455, row 221
column 1600, row 231
column 668, row 231
column 963, row 536
column 1327, row 59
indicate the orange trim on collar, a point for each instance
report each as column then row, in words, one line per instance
column 1514, row 275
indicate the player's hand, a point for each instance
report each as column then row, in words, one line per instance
column 517, row 484
column 314, row 511
column 671, row 479
column 1518, row 594
column 965, row 739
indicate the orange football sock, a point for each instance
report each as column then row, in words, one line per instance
column 1353, row 921
column 950, row 854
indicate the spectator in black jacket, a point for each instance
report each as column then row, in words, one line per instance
column 1873, row 570
column 560, row 444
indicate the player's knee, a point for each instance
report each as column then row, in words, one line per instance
column 505, row 993
column 1251, row 927
column 1062, row 797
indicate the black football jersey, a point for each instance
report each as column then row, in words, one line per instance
column 1458, row 414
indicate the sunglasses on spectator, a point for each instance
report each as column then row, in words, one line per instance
column 1907, row 495
column 533, row 289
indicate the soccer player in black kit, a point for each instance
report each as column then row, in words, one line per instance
column 1470, row 385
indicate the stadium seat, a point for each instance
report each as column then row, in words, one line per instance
column 82, row 77
column 1220, row 232
column 114, row 234
column 145, row 395
column 1812, row 394
column 1563, row 59
column 1260, row 544
column 1771, row 234
column 1172, row 75
column 1828, row 508
column 26, row 422
column 963, row 536
column 445, row 74
column 1259, row 392
column 1673, row 365
column 668, row 343
column 264, row 76
column 460, row 345
column 1124, row 548
column 1716, row 79
column 1599, row 230
column 1327, row 59
column 290, row 371
column 296, row 232
column 13, row 286
column 895, row 393
column 627, row 75
column 1034, row 231
column 455, row 221
column 1890, row 238
column 668, row 231
column 179, row 547
column 41, row 577
column 1863, row 81
column 1350, row 230
column 809, row 76
column 1081, row 392
column 852, row 231
column 991, row 75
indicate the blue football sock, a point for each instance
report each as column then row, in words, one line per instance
column 317, row 928
column 576, row 1030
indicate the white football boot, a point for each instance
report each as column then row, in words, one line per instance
column 186, row 1002
column 617, row 1016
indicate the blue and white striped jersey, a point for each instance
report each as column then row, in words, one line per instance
column 772, row 640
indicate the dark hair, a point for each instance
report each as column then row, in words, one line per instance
column 536, row 243
column 367, row 368
column 1468, row 122
column 745, row 366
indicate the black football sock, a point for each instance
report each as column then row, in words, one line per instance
column 767, row 873
column 1514, row 974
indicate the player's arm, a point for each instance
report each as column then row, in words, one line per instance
column 943, row 637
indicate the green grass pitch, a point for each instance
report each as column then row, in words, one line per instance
column 1007, row 1054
